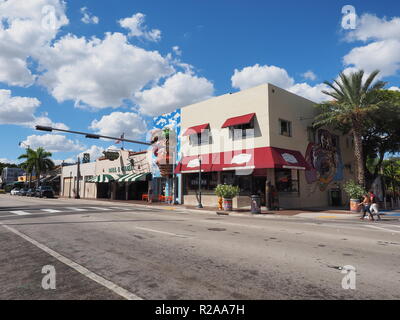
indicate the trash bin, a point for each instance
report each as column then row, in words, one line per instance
column 255, row 204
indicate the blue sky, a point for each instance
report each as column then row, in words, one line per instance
column 110, row 68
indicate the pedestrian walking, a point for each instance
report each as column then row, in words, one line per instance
column 374, row 205
column 366, row 207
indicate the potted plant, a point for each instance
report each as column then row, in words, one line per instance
column 227, row 192
column 355, row 192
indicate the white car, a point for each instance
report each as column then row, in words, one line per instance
column 15, row 191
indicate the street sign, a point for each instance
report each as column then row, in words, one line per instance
column 110, row 155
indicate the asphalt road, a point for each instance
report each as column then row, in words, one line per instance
column 104, row 250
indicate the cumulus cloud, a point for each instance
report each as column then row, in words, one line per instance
column 20, row 111
column 116, row 123
column 177, row 91
column 309, row 75
column 95, row 152
column 394, row 88
column 371, row 27
column 177, row 50
column 25, row 27
column 137, row 28
column 16, row 110
column 383, row 50
column 87, row 17
column 99, row 73
column 53, row 143
column 5, row 160
column 255, row 75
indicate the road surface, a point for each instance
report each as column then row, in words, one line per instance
column 109, row 250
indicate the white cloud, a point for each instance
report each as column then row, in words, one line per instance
column 116, row 123
column 371, row 27
column 100, row 73
column 95, row 152
column 394, row 88
column 16, row 110
column 177, row 50
column 20, row 111
column 255, row 75
column 383, row 50
column 53, row 143
column 313, row 93
column 179, row 90
column 136, row 27
column 88, row 18
column 382, row 55
column 25, row 27
column 309, row 75
column 5, row 160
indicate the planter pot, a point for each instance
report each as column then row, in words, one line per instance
column 354, row 205
column 228, row 205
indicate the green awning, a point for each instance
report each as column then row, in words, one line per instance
column 132, row 177
column 103, row 178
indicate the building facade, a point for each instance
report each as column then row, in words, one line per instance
column 9, row 175
column 124, row 178
column 260, row 135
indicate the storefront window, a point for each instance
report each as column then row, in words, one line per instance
column 287, row 180
column 208, row 182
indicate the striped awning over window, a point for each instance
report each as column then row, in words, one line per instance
column 103, row 178
column 132, row 177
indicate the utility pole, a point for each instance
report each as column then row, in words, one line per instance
column 78, row 176
column 200, row 206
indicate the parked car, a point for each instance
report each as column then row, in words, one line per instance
column 44, row 191
column 30, row 192
column 23, row 192
column 15, row 191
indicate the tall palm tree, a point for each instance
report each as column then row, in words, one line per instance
column 353, row 99
column 29, row 164
column 38, row 160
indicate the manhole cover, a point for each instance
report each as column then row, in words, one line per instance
column 217, row 229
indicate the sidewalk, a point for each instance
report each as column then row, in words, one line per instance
column 334, row 213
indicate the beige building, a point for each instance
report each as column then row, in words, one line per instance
column 258, row 135
column 125, row 178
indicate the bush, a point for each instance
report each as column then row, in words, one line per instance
column 227, row 191
column 354, row 190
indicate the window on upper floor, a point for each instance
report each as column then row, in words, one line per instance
column 243, row 131
column 199, row 139
column 285, row 128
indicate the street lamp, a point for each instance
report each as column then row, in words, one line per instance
column 200, row 206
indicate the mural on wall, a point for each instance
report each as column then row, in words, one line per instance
column 164, row 136
column 325, row 160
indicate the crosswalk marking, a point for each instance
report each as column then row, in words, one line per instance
column 384, row 229
column 76, row 209
column 50, row 210
column 119, row 208
column 21, row 213
column 98, row 208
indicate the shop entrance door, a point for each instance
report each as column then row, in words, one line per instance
column 259, row 188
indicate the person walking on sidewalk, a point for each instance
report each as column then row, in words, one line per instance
column 366, row 207
column 374, row 205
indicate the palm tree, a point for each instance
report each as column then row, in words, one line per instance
column 29, row 164
column 38, row 160
column 353, row 100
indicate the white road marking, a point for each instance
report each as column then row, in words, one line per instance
column 98, row 208
column 21, row 213
column 384, row 229
column 86, row 272
column 119, row 208
column 75, row 209
column 162, row 232
column 50, row 210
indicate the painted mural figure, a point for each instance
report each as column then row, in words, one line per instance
column 325, row 160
